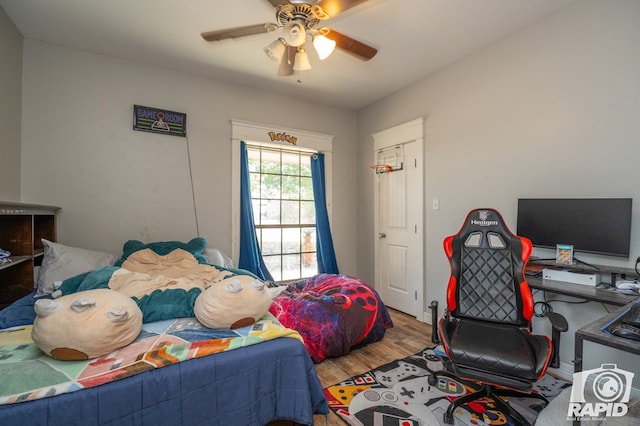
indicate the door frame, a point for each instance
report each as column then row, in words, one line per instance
column 412, row 131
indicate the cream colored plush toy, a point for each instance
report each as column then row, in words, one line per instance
column 234, row 302
column 85, row 325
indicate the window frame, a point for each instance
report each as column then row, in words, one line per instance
column 280, row 255
column 261, row 134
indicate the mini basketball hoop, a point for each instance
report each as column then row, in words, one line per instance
column 381, row 168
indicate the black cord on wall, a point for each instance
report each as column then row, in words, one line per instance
column 193, row 192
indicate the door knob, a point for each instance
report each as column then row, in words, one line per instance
column 382, row 235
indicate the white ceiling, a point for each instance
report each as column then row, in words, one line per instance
column 414, row 38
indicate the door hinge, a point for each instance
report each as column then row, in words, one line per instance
column 415, row 295
column 415, row 162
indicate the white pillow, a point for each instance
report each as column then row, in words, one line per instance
column 217, row 257
column 61, row 262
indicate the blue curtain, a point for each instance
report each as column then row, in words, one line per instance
column 324, row 242
column 250, row 256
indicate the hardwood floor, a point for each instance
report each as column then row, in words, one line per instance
column 407, row 337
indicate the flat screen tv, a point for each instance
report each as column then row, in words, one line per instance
column 591, row 225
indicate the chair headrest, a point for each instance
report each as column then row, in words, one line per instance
column 485, row 228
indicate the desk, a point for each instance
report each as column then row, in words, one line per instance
column 595, row 294
column 592, row 332
column 613, row 271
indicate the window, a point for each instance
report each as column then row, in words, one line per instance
column 284, row 212
column 273, row 222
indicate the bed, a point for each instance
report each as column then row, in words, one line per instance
column 251, row 385
column 184, row 374
column 177, row 370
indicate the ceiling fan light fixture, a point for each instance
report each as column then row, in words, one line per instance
column 324, row 46
column 301, row 62
column 275, row 50
column 294, row 33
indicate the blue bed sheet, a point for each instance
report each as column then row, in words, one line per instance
column 252, row 385
column 19, row 312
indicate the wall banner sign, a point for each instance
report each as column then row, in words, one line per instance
column 155, row 120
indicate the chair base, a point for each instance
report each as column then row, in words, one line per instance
column 485, row 391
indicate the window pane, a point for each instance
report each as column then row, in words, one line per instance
column 305, row 165
column 291, row 240
column 290, row 187
column 254, row 180
column 269, row 212
column 273, row 264
column 309, row 260
column 306, row 188
column 253, row 157
column 255, row 205
column 270, row 186
column 307, row 212
column 308, row 239
column 290, row 212
column 290, row 164
column 309, row 265
column 270, row 162
column 290, row 266
column 271, row 241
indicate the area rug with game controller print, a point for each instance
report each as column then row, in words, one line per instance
column 398, row 393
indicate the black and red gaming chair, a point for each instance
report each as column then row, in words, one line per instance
column 486, row 331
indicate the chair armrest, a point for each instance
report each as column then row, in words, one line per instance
column 559, row 324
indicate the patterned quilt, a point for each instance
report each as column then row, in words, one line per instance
column 27, row 373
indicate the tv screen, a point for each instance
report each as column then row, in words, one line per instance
column 592, row 225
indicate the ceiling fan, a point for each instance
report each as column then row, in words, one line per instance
column 297, row 19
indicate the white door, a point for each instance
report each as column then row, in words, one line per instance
column 399, row 259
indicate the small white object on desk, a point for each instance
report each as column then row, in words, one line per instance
column 574, row 277
column 628, row 285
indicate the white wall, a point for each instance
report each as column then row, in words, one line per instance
column 115, row 184
column 10, row 101
column 549, row 111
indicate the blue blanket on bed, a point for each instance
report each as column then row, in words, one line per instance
column 19, row 312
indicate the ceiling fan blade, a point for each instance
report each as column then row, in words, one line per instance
column 286, row 64
column 335, row 7
column 352, row 46
column 238, row 32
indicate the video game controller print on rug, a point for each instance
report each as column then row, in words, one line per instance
column 399, row 393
